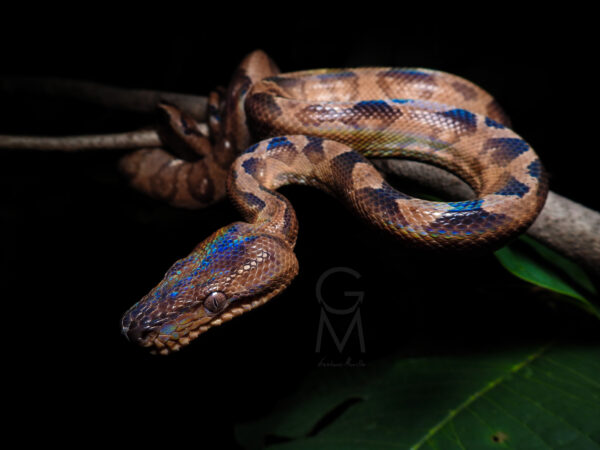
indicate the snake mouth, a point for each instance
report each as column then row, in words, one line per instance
column 175, row 334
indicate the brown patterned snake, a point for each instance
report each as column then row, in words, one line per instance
column 318, row 126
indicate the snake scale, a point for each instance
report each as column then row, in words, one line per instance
column 317, row 128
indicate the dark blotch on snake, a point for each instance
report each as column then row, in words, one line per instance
column 513, row 187
column 468, row 92
column 504, row 150
column 251, row 165
column 261, row 108
column 378, row 109
column 252, row 200
column 466, row 120
column 478, row 220
column 286, row 82
column 535, row 169
column 314, row 149
column 343, row 165
column 383, row 202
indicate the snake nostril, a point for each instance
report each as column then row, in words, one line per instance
column 137, row 334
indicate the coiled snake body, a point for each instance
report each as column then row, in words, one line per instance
column 318, row 127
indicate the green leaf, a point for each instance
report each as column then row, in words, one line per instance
column 539, row 265
column 547, row 397
column 572, row 270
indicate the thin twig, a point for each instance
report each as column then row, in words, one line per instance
column 117, row 141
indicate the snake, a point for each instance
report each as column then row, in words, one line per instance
column 319, row 128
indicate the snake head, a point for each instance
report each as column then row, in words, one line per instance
column 233, row 271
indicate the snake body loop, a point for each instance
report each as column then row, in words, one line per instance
column 317, row 128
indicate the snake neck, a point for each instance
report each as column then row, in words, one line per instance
column 251, row 186
column 293, row 159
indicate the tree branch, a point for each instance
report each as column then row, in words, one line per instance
column 117, row 141
column 563, row 225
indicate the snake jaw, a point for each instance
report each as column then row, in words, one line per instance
column 165, row 344
column 173, row 336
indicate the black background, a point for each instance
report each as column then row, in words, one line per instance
column 79, row 247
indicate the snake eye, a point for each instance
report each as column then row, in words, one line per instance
column 215, row 302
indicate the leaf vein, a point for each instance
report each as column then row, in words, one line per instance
column 543, row 408
column 535, row 433
column 514, row 369
column 570, row 369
